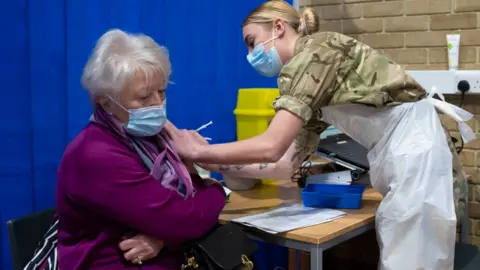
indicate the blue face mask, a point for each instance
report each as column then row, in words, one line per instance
column 145, row 122
column 267, row 63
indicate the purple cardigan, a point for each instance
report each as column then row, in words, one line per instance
column 104, row 191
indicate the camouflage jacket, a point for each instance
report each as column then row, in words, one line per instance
column 330, row 68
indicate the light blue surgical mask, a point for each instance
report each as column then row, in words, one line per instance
column 267, row 63
column 145, row 122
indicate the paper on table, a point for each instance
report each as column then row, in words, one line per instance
column 289, row 217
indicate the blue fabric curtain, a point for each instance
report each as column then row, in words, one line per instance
column 45, row 45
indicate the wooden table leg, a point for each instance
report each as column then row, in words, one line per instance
column 292, row 260
column 305, row 261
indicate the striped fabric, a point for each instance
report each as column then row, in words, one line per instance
column 45, row 256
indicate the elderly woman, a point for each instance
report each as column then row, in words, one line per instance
column 123, row 193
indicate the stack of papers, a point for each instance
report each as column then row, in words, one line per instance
column 290, row 217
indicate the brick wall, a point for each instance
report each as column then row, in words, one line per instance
column 413, row 33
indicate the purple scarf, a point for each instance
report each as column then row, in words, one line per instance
column 167, row 165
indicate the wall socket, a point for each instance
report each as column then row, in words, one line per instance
column 472, row 77
column 447, row 81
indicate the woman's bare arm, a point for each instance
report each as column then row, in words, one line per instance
column 269, row 146
column 282, row 170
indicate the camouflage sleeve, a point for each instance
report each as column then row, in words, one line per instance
column 304, row 83
column 306, row 143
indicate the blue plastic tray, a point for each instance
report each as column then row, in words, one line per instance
column 333, row 196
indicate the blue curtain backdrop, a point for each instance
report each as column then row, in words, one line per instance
column 44, row 47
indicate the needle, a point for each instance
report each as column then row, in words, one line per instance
column 204, row 126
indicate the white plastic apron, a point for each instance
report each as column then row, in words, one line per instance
column 411, row 166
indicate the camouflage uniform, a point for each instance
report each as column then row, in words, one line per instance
column 330, row 68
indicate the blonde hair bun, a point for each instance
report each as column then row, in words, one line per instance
column 309, row 22
column 305, row 23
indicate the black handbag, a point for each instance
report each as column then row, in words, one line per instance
column 226, row 247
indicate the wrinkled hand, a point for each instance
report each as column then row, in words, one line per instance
column 200, row 139
column 185, row 142
column 140, row 248
column 208, row 167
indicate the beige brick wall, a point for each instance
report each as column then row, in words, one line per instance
column 413, row 33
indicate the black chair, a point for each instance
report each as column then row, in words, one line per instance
column 25, row 233
column 467, row 256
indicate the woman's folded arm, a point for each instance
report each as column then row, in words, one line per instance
column 124, row 191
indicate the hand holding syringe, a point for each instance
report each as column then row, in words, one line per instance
column 204, row 127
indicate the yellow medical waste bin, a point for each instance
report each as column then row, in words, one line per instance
column 254, row 112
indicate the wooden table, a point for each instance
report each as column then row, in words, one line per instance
column 313, row 239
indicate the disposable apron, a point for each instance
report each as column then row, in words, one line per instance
column 411, row 166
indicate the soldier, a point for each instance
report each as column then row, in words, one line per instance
column 327, row 78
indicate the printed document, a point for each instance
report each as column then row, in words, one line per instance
column 289, row 217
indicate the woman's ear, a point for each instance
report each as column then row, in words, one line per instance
column 103, row 101
column 107, row 105
column 278, row 27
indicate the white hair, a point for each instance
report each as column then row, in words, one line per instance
column 116, row 58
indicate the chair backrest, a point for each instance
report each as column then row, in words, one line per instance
column 25, row 233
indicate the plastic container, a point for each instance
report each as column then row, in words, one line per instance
column 254, row 112
column 333, row 196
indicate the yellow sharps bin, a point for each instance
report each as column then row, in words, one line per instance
column 254, row 112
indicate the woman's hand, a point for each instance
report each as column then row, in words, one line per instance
column 202, row 141
column 172, row 131
column 140, row 248
column 185, row 142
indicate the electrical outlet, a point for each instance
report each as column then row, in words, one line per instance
column 472, row 77
column 445, row 81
